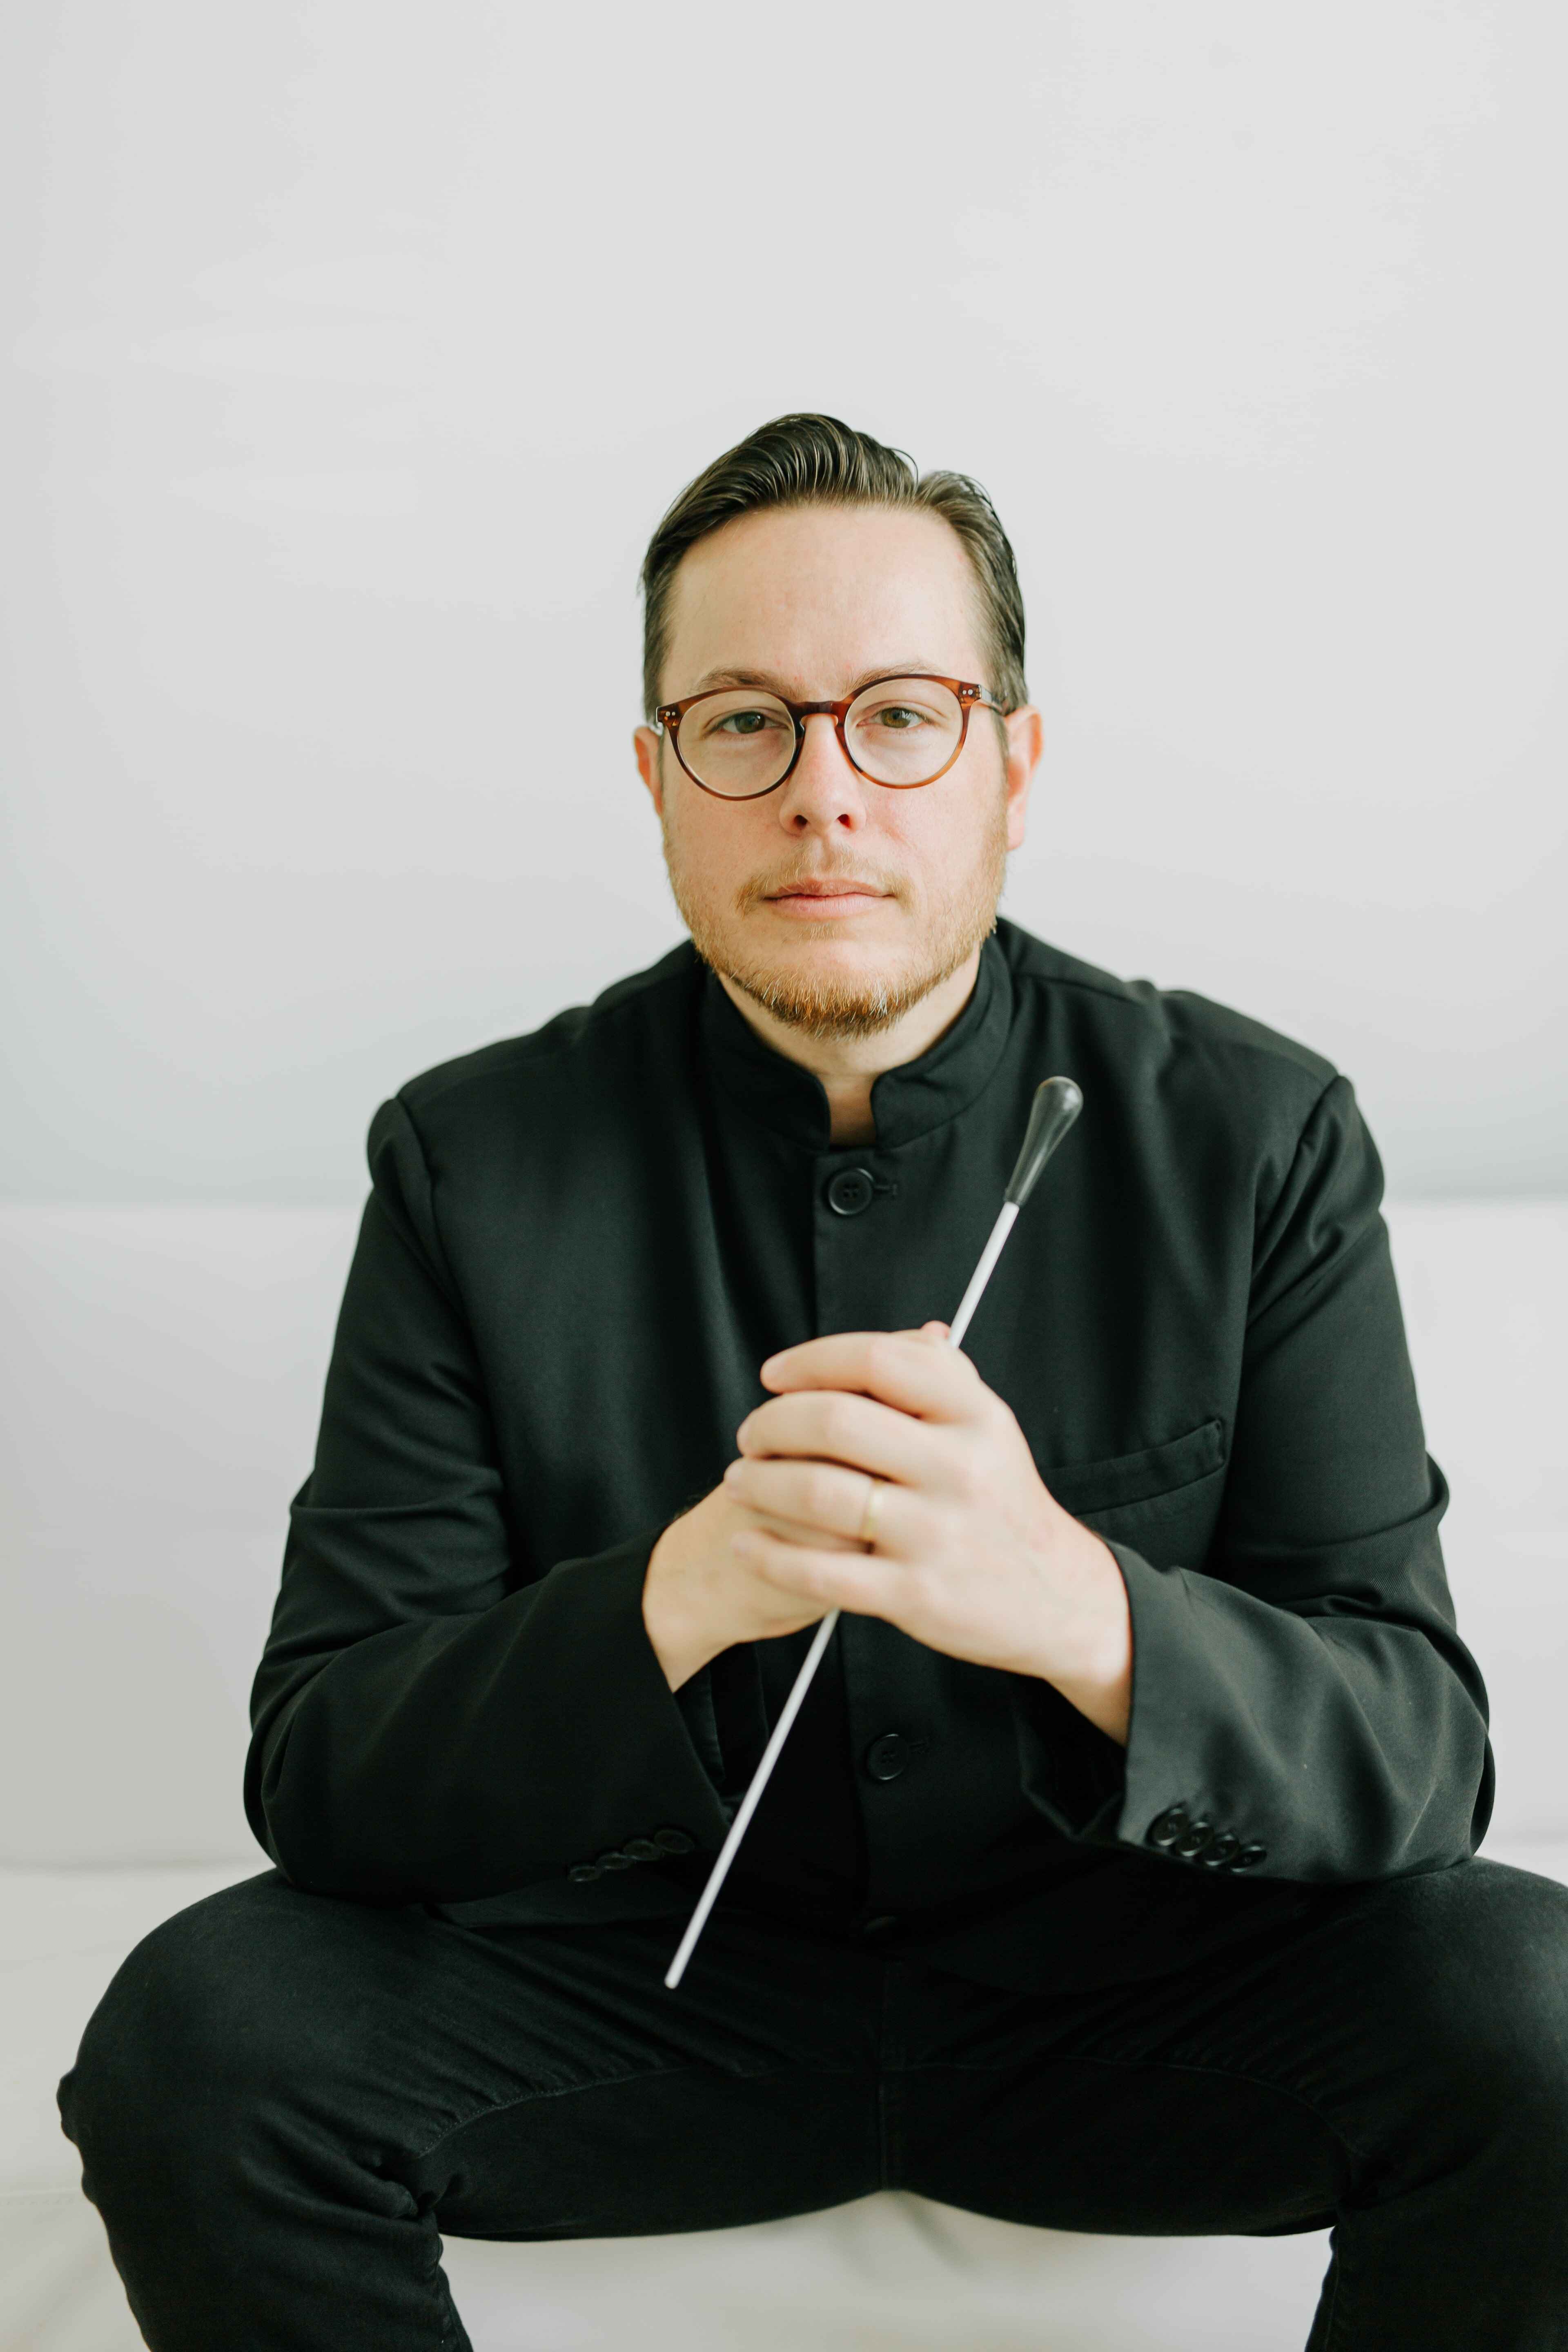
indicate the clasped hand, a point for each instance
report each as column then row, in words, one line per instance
column 972, row 1555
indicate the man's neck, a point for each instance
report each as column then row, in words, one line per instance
column 846, row 1066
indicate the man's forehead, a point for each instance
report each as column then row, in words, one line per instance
column 780, row 682
column 782, row 597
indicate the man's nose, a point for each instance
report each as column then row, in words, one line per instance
column 825, row 788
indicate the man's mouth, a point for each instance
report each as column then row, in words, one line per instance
column 831, row 903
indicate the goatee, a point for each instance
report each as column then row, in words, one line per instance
column 826, row 1008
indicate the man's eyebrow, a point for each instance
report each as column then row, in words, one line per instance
column 711, row 680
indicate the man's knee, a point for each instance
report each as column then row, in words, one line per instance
column 209, row 2018
column 1476, row 1975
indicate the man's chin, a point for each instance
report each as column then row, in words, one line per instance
column 829, row 996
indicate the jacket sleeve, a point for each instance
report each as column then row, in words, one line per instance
column 433, row 1719
column 1303, row 1697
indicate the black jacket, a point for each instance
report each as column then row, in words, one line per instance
column 578, row 1249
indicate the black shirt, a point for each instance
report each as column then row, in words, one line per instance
column 579, row 1247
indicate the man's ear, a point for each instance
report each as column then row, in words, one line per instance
column 648, row 744
column 1025, row 742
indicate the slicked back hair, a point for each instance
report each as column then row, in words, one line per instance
column 812, row 460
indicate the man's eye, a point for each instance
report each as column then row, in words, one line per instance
column 900, row 715
column 743, row 723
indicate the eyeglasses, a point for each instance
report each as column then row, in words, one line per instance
column 901, row 731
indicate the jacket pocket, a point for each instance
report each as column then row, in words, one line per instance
column 1089, row 1490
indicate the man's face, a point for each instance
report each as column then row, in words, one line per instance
column 814, row 601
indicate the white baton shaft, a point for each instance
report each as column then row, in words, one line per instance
column 1055, row 1105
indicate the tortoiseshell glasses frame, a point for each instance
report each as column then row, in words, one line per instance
column 968, row 696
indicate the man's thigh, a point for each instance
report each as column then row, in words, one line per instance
column 625, row 2108
column 526, row 2083
column 1374, row 2048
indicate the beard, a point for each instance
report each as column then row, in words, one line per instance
column 821, row 1005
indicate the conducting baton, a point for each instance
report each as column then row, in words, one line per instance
column 1055, row 1105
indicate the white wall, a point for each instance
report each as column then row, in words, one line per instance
column 361, row 345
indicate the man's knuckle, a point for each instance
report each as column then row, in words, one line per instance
column 970, row 1476
column 838, row 1419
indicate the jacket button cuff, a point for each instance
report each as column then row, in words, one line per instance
column 1225, row 1849
column 614, row 1859
column 582, row 1872
column 1249, row 1857
column 674, row 1842
column 1168, row 1828
column 641, row 1849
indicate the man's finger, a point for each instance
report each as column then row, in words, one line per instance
column 815, row 1501
column 856, row 1580
column 829, row 1425
column 797, row 1531
column 936, row 1382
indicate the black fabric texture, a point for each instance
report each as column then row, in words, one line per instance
column 285, row 2100
column 578, row 1249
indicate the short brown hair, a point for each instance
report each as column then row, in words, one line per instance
column 811, row 460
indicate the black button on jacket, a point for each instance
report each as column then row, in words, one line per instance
column 579, row 1247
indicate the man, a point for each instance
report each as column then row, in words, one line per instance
column 1117, row 1874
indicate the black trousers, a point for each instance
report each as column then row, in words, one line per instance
column 283, row 2099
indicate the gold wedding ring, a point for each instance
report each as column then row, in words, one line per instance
column 867, row 1534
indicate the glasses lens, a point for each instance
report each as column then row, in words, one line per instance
column 904, row 731
column 737, row 743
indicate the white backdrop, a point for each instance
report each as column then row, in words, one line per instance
column 360, row 344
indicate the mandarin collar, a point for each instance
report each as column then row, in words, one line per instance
column 906, row 1102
